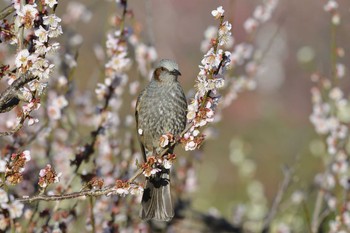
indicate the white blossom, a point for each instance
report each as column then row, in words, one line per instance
column 164, row 141
column 15, row 208
column 23, row 58
column 191, row 145
column 51, row 20
column 167, row 164
column 219, row 12
column 42, row 34
column 27, row 14
column 51, row 3
column 26, row 154
column 55, row 31
column 3, row 196
column 340, row 70
column 250, row 25
column 331, row 5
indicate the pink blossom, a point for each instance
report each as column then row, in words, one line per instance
column 331, row 5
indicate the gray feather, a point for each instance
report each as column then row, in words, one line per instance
column 161, row 108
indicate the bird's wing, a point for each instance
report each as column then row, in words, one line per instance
column 140, row 137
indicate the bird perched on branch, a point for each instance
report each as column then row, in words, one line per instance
column 161, row 109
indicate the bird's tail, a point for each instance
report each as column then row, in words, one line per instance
column 156, row 200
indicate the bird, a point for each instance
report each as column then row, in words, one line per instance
column 161, row 108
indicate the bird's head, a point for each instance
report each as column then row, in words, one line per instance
column 166, row 71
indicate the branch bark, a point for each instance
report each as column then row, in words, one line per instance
column 6, row 11
column 84, row 193
column 10, row 97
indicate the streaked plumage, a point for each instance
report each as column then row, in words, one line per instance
column 161, row 108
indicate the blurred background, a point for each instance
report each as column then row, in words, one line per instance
column 269, row 125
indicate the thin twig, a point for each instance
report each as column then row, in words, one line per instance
column 15, row 130
column 32, row 137
column 58, row 197
column 269, row 45
column 307, row 216
column 85, row 193
column 10, row 97
column 324, row 215
column 316, row 215
column 7, row 11
column 288, row 174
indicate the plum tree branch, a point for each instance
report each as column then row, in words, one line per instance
column 109, row 190
column 10, row 97
column 6, row 11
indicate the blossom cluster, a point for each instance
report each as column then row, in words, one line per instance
column 329, row 105
column 332, row 7
column 116, row 157
column 246, row 55
column 96, row 183
column 324, row 116
column 117, row 51
column 261, row 14
column 33, row 29
column 209, row 79
column 330, row 119
column 111, row 90
column 165, row 139
column 210, row 34
column 49, row 27
column 117, row 64
column 115, row 152
column 124, row 188
column 155, row 164
column 243, row 54
column 341, row 224
column 329, row 102
column 10, row 209
column 55, row 107
column 15, row 167
column 48, row 176
column 145, row 55
column 33, row 104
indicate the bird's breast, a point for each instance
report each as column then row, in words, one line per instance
column 162, row 110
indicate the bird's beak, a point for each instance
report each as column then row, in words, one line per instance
column 175, row 72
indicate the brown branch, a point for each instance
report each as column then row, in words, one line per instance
column 90, row 193
column 89, row 147
column 15, row 130
column 137, row 174
column 6, row 11
column 110, row 190
column 87, row 152
column 10, row 97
